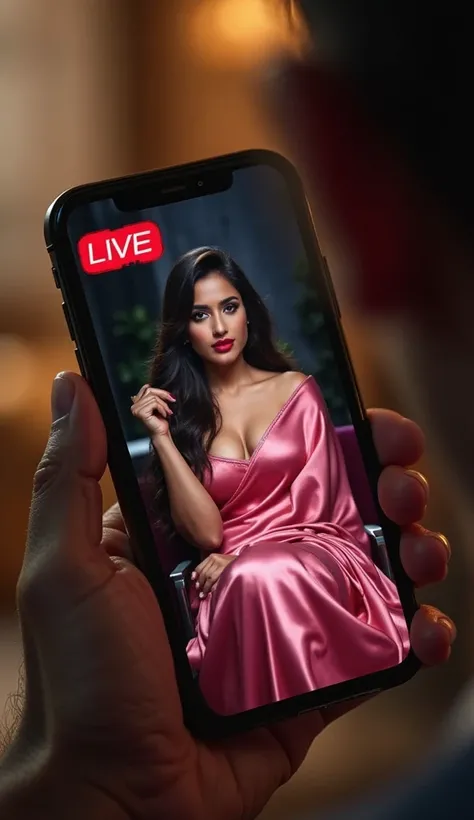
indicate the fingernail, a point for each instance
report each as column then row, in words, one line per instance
column 421, row 480
column 172, row 398
column 201, row 595
column 133, row 398
column 197, row 584
column 444, row 541
column 62, row 396
column 193, row 576
column 446, row 622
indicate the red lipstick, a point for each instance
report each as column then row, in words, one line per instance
column 223, row 345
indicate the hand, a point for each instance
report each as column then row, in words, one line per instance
column 208, row 572
column 101, row 696
column 150, row 405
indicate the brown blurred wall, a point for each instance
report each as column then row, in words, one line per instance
column 64, row 96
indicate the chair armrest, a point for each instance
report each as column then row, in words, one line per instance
column 181, row 577
column 379, row 550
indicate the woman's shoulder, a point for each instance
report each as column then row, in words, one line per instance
column 290, row 381
column 293, row 378
column 282, row 386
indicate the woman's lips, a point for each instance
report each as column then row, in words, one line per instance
column 223, row 346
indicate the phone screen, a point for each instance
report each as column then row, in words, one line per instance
column 225, row 372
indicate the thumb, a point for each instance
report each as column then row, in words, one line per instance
column 65, row 527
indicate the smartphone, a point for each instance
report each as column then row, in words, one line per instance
column 204, row 319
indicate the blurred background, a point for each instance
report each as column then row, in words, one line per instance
column 98, row 88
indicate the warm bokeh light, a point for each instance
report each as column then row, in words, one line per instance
column 245, row 32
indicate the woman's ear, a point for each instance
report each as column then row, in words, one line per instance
column 362, row 183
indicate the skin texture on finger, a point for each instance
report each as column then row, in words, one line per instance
column 211, row 581
column 162, row 394
column 424, row 555
column 150, row 403
column 202, row 579
column 76, row 454
column 432, row 634
column 117, row 544
column 398, row 440
column 402, row 495
column 113, row 519
column 152, row 398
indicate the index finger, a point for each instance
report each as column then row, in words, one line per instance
column 113, row 519
column 160, row 392
column 140, row 393
column 202, row 565
column 398, row 440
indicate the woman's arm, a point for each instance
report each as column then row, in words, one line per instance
column 193, row 511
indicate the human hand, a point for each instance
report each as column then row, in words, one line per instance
column 150, row 405
column 101, row 697
column 208, row 572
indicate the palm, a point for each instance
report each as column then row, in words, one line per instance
column 115, row 652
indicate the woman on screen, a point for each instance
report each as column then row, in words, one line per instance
column 248, row 469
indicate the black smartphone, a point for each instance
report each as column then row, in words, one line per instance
column 205, row 321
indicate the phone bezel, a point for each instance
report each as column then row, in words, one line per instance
column 200, row 719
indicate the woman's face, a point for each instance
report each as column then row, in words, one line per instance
column 217, row 329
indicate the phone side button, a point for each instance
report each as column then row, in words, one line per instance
column 55, row 277
column 68, row 322
column 80, row 362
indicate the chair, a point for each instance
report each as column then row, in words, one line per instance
column 177, row 558
column 363, row 497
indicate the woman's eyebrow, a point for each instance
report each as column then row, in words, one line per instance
column 222, row 302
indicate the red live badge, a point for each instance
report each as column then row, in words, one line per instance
column 104, row 251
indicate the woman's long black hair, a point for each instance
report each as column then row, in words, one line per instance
column 179, row 370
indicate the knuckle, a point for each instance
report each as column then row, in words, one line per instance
column 46, row 473
column 33, row 587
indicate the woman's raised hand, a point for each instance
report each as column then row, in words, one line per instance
column 150, row 405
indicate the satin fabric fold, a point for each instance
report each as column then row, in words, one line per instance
column 302, row 606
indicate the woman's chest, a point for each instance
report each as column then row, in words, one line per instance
column 244, row 425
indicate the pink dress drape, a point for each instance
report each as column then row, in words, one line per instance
column 303, row 605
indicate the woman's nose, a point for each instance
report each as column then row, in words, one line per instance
column 219, row 328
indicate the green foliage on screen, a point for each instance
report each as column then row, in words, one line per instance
column 312, row 324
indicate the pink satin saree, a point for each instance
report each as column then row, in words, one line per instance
column 303, row 606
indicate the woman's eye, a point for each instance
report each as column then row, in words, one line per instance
column 198, row 317
column 231, row 308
